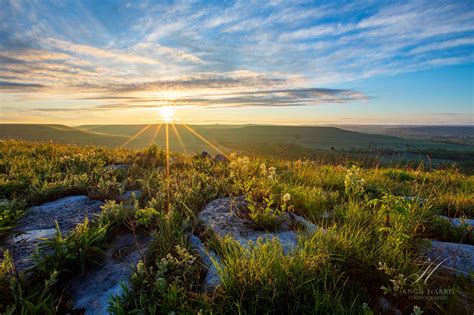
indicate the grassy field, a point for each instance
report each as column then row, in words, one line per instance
column 289, row 142
column 373, row 244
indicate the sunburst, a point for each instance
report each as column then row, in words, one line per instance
column 168, row 117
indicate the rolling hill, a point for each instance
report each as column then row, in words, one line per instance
column 58, row 134
column 236, row 136
column 247, row 138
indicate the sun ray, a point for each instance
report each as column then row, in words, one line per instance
column 205, row 140
column 179, row 138
column 136, row 135
column 168, row 194
column 157, row 130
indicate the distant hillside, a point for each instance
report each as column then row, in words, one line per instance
column 249, row 138
column 449, row 134
column 445, row 134
column 239, row 137
column 57, row 133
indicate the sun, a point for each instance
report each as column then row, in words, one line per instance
column 167, row 113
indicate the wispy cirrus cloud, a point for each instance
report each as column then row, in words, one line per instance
column 258, row 98
column 94, row 52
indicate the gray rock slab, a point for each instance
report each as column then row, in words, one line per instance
column 457, row 258
column 212, row 279
column 228, row 217
column 116, row 167
column 128, row 195
column 91, row 292
column 459, row 222
column 39, row 222
column 221, row 215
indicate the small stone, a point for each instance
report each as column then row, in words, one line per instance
column 204, row 154
column 116, row 167
column 220, row 158
column 128, row 195
column 387, row 306
column 417, row 199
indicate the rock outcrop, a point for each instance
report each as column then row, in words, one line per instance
column 91, row 292
column 39, row 222
column 454, row 257
column 212, row 280
column 459, row 222
column 222, row 216
column 225, row 217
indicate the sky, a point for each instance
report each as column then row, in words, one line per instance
column 237, row 62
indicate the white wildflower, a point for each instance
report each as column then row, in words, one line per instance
column 271, row 172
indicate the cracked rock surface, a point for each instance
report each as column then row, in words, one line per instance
column 224, row 217
column 91, row 292
column 39, row 222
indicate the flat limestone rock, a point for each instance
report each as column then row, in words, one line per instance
column 91, row 292
column 117, row 167
column 459, row 222
column 128, row 195
column 221, row 215
column 40, row 223
column 212, row 280
column 457, row 258
column 224, row 217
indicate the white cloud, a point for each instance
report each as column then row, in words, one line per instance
column 443, row 45
column 109, row 54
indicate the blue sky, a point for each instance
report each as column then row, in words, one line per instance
column 285, row 62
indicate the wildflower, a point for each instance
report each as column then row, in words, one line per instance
column 353, row 182
column 286, row 197
column 263, row 169
column 271, row 172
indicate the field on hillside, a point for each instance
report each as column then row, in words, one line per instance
column 374, row 226
column 287, row 142
column 447, row 134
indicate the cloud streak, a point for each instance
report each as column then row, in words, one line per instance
column 256, row 98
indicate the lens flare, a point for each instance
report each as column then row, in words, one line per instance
column 167, row 114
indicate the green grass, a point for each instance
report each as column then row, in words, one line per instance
column 372, row 244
